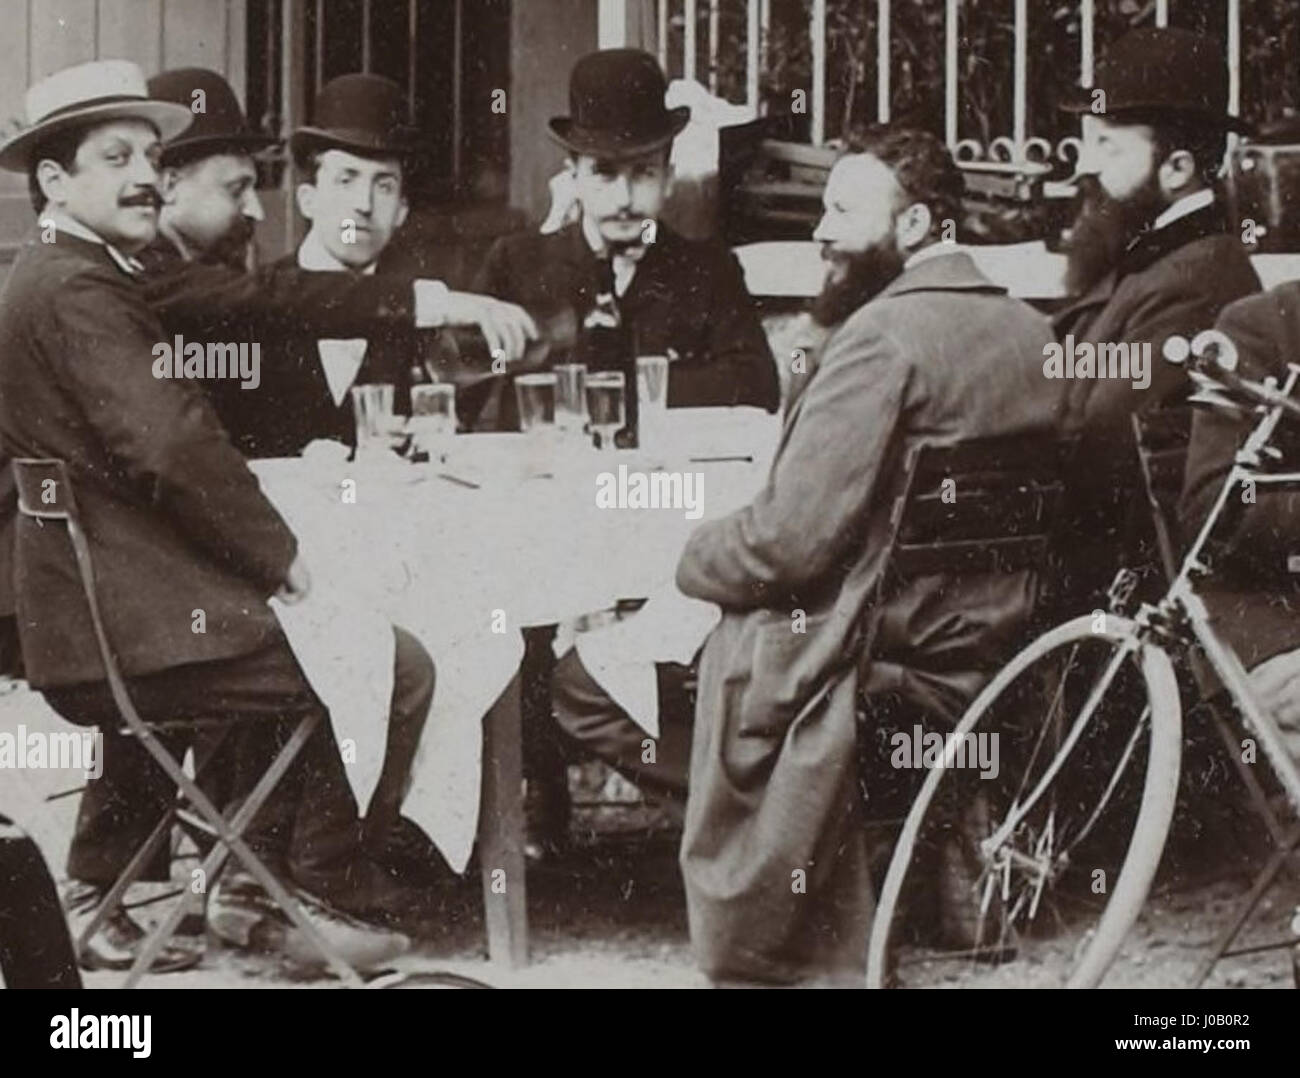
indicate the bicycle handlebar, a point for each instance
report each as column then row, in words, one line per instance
column 1212, row 355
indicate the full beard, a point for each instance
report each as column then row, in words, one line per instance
column 232, row 249
column 1104, row 228
column 865, row 275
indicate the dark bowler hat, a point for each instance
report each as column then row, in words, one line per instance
column 219, row 128
column 364, row 114
column 1162, row 73
column 616, row 97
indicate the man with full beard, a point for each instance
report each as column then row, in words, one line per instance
column 929, row 350
column 1150, row 256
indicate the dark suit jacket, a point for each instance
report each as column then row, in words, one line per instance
column 176, row 521
column 1173, row 280
column 941, row 355
column 293, row 404
column 1252, row 597
column 688, row 295
column 285, row 310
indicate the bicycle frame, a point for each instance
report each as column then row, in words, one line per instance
column 1182, row 603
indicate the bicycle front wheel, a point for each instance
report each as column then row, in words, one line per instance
column 1085, row 730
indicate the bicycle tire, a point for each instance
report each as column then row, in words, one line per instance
column 1151, row 826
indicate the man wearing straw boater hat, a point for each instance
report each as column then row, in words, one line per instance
column 176, row 521
column 1150, row 255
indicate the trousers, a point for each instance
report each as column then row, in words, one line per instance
column 310, row 826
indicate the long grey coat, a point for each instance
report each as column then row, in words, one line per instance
column 940, row 355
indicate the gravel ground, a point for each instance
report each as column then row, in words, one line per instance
column 612, row 913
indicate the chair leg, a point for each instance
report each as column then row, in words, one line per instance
column 230, row 841
column 1259, row 799
column 142, row 857
column 1247, row 906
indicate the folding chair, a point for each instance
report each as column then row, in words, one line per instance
column 45, row 493
column 986, row 505
column 1161, row 436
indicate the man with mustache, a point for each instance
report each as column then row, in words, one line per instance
column 1150, row 256
column 199, row 286
column 926, row 349
column 196, row 280
column 677, row 297
column 175, row 520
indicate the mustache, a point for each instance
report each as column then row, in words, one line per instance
column 147, row 196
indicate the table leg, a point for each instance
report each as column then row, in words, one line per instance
column 502, row 832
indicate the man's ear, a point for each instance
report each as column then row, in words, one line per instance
column 1177, row 171
column 913, row 226
column 402, row 211
column 50, row 176
column 168, row 178
column 306, row 196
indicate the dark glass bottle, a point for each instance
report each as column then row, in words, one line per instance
column 604, row 344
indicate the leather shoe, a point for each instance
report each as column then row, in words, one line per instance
column 243, row 915
column 118, row 940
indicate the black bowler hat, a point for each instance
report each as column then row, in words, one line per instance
column 220, row 128
column 1162, row 73
column 363, row 114
column 616, row 97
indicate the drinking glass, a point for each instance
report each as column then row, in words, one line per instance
column 372, row 406
column 571, row 397
column 606, row 405
column 536, row 396
column 652, row 400
column 433, row 417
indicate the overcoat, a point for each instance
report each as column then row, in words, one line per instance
column 941, row 355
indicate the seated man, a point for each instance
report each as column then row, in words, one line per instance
column 676, row 297
column 177, row 524
column 196, row 282
column 1254, row 594
column 928, row 350
column 352, row 163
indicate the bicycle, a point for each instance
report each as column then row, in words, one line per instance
column 1047, row 823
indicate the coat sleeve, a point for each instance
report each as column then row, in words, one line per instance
column 815, row 504
column 162, row 430
column 205, row 301
column 738, row 366
column 1180, row 302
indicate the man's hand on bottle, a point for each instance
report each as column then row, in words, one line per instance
column 506, row 327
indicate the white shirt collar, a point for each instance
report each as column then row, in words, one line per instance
column 1183, row 207
column 313, row 255
column 63, row 223
column 934, row 250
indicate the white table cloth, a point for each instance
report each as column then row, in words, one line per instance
column 465, row 569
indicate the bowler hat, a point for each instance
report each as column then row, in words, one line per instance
column 616, row 101
column 363, row 114
column 1160, row 72
column 218, row 127
column 91, row 93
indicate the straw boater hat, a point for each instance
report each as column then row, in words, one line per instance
column 93, row 93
